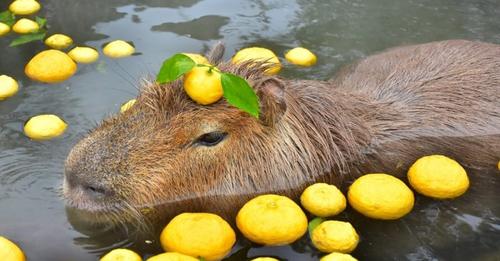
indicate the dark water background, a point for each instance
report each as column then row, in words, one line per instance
column 339, row 32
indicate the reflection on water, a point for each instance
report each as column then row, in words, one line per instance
column 339, row 31
column 190, row 28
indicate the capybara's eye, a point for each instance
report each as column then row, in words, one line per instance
column 211, row 138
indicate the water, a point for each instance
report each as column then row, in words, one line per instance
column 31, row 210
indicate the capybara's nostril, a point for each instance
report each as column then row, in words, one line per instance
column 96, row 191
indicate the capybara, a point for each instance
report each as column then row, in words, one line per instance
column 378, row 115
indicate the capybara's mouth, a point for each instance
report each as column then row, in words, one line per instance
column 99, row 211
column 77, row 198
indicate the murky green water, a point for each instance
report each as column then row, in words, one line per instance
column 32, row 212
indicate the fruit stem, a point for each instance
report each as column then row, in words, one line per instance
column 210, row 67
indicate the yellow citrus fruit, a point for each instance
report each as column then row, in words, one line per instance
column 197, row 58
column 118, row 49
column 4, row 29
column 438, row 176
column 301, row 56
column 25, row 26
column 58, row 41
column 24, row 7
column 498, row 165
column 127, row 105
column 83, row 54
column 10, row 251
column 380, row 196
column 272, row 220
column 198, row 234
column 44, row 127
column 8, row 87
column 121, row 254
column 265, row 259
column 335, row 236
column 172, row 256
column 258, row 54
column 50, row 66
column 203, row 85
column 323, row 200
column 336, row 256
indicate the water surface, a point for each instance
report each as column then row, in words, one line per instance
column 31, row 210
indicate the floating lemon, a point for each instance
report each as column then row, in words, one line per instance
column 336, row 256
column 203, row 85
column 24, row 7
column 127, row 105
column 301, row 56
column 50, row 66
column 121, row 254
column 44, row 127
column 438, row 177
column 10, row 251
column 25, row 26
column 84, row 54
column 335, row 236
column 118, row 49
column 265, row 259
column 197, row 58
column 323, row 200
column 58, row 41
column 380, row 196
column 272, row 220
column 172, row 256
column 258, row 54
column 8, row 87
column 4, row 29
column 198, row 234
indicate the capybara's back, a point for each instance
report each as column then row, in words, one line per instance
column 435, row 98
column 378, row 115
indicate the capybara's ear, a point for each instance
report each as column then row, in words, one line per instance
column 271, row 93
column 215, row 54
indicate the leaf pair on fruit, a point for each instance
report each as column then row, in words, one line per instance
column 236, row 90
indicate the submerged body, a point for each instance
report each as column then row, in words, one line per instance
column 167, row 154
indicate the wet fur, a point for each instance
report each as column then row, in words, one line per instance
column 378, row 115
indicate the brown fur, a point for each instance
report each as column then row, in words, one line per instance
column 378, row 115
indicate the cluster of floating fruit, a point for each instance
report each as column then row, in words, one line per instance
column 298, row 56
column 23, row 25
column 51, row 66
column 274, row 220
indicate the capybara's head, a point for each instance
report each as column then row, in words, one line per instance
column 167, row 148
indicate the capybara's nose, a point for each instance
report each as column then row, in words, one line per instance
column 86, row 184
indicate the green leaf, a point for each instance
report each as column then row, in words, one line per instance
column 238, row 93
column 7, row 17
column 27, row 38
column 40, row 21
column 314, row 223
column 202, row 259
column 174, row 67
